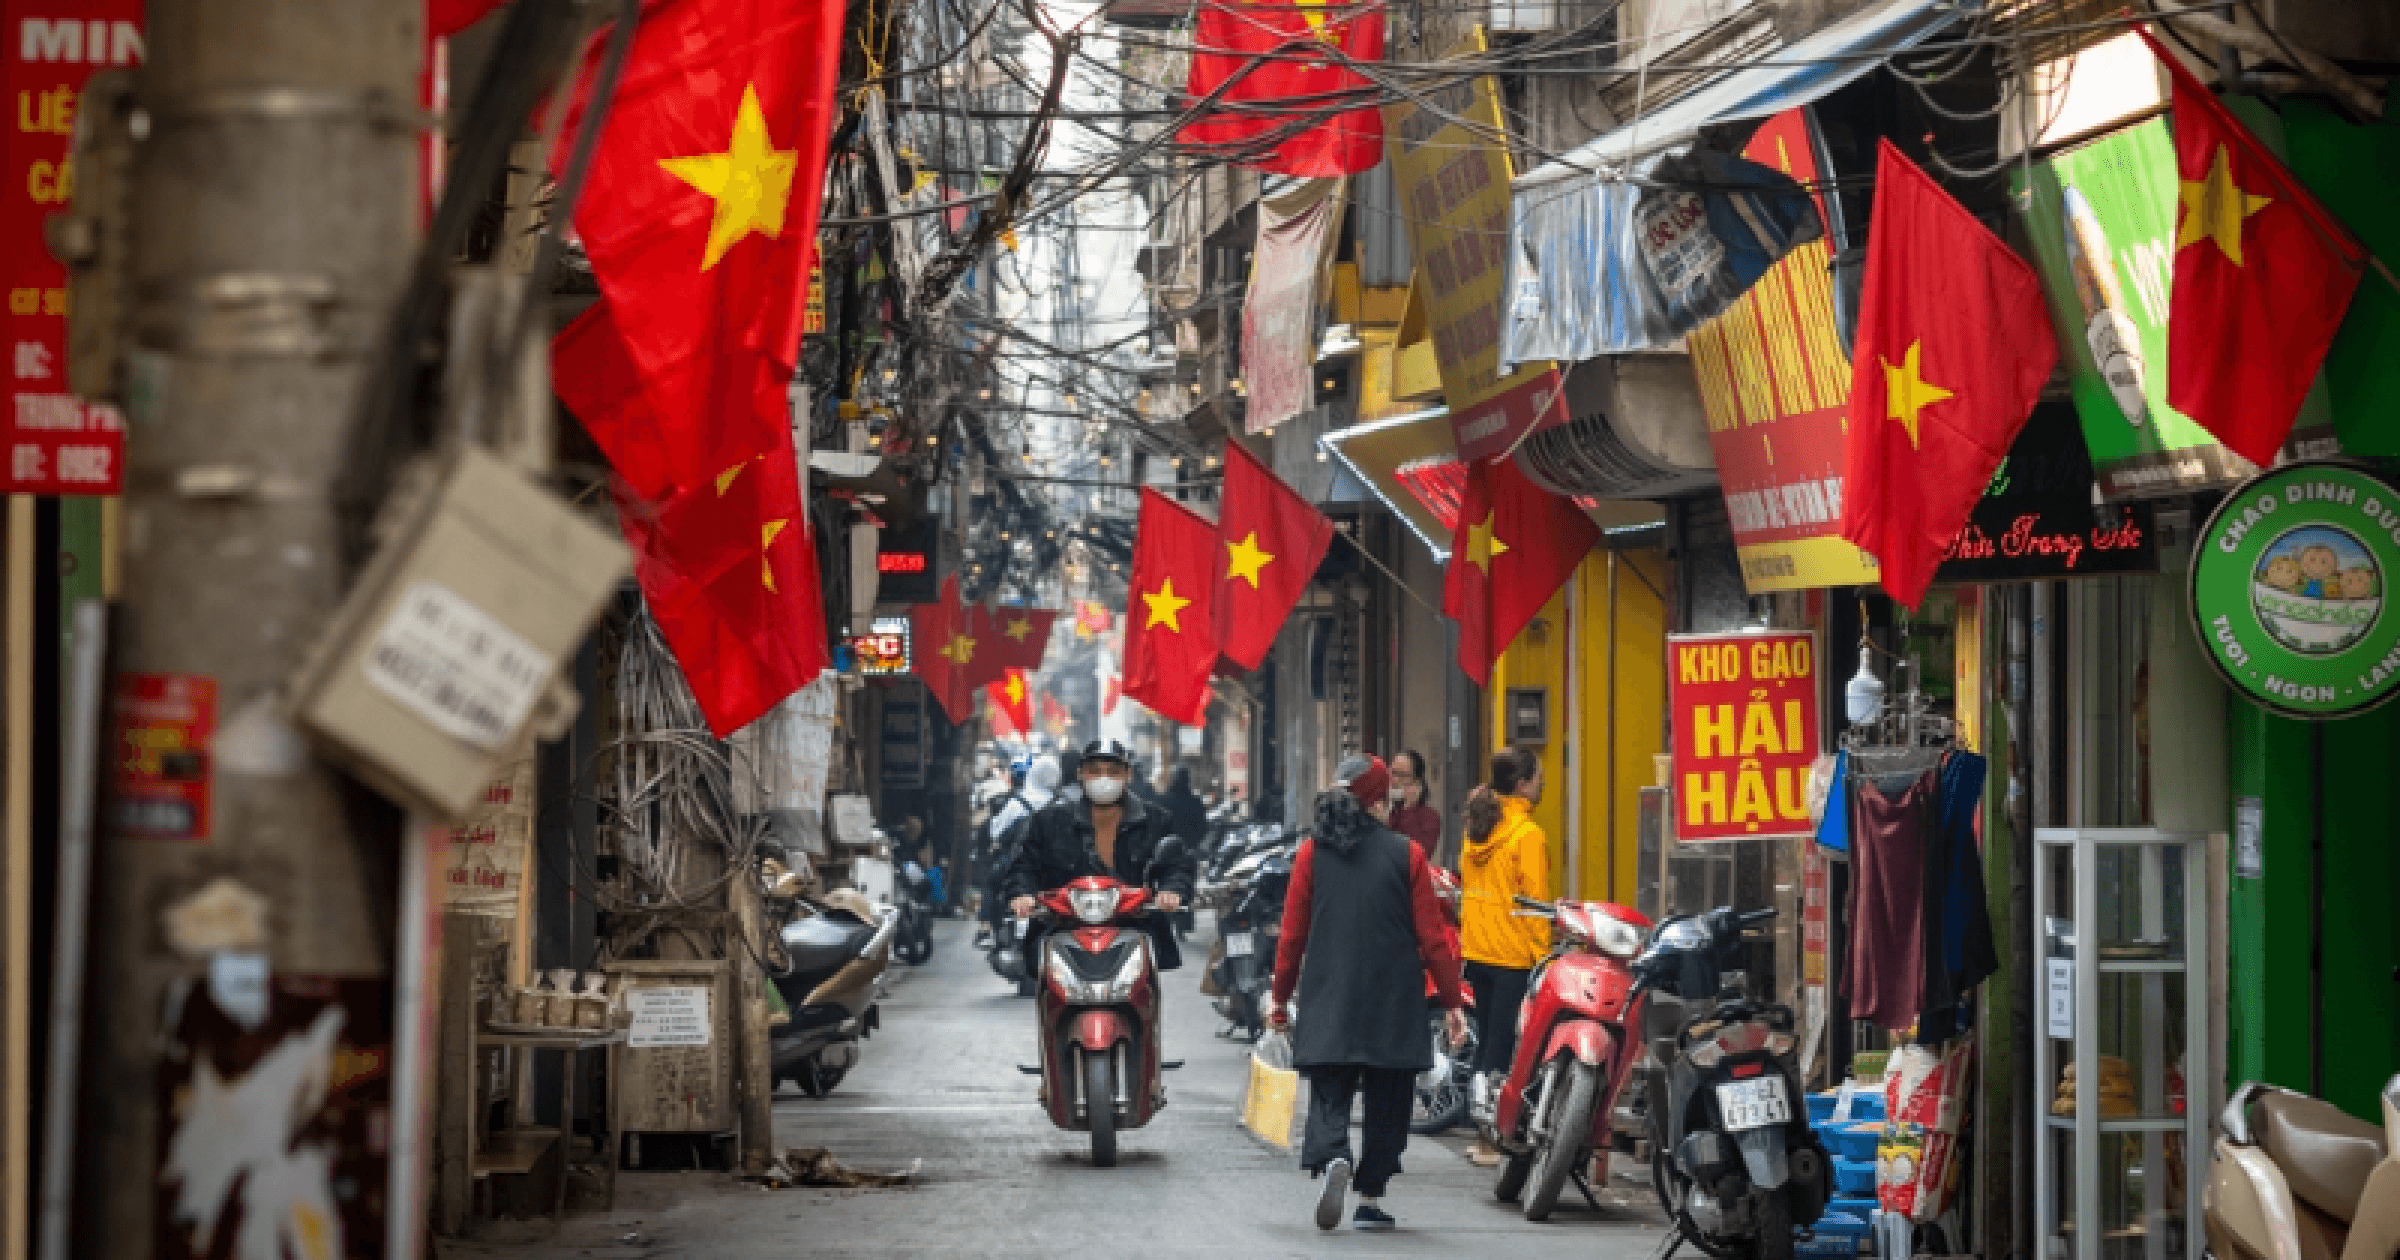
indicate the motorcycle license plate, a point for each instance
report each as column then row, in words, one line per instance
column 1754, row 1104
column 1239, row 945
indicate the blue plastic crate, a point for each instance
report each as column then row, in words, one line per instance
column 1846, row 1224
column 1864, row 1105
column 1864, row 1207
column 1838, row 1236
column 1856, row 1140
column 1853, row 1176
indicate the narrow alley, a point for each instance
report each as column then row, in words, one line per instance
column 940, row 1084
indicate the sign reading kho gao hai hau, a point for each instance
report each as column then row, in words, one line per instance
column 1745, row 708
column 2288, row 585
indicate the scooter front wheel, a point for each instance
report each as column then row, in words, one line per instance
column 1100, row 1107
column 1570, row 1103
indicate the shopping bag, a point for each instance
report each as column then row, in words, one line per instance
column 1271, row 1098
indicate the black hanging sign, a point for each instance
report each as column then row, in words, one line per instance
column 2037, row 520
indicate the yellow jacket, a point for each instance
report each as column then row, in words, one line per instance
column 1513, row 861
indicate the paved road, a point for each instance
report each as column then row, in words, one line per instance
column 939, row 1083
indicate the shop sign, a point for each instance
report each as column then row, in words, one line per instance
column 2287, row 589
column 883, row 652
column 1452, row 178
column 1775, row 386
column 488, row 848
column 2101, row 220
column 2036, row 519
column 57, row 443
column 1745, row 716
column 904, row 738
column 165, row 724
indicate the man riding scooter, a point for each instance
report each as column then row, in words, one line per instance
column 1107, row 832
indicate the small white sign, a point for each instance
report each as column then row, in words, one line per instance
column 2250, row 838
column 2060, row 994
column 853, row 821
column 668, row 1015
column 456, row 666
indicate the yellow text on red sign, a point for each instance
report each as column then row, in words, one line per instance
column 1745, row 718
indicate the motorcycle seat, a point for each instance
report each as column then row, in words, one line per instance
column 2324, row 1153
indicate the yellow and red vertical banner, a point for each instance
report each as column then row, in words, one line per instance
column 1745, row 714
column 56, row 443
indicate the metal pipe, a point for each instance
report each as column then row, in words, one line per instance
column 78, row 792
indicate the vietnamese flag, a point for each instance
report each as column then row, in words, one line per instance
column 1285, row 100
column 1269, row 543
column 1515, row 545
column 1022, row 635
column 698, row 222
column 1012, row 701
column 988, row 663
column 943, row 641
column 1953, row 347
column 1170, row 638
column 2263, row 276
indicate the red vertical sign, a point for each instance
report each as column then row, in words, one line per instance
column 1745, row 718
column 56, row 444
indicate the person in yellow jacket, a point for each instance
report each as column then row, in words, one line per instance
column 1505, row 856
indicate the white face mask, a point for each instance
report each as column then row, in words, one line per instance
column 1104, row 790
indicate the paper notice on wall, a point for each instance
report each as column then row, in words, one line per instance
column 2059, row 998
column 853, row 821
column 489, row 847
column 668, row 1015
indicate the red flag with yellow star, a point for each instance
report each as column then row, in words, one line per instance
column 1515, row 545
column 1012, row 701
column 1269, row 543
column 698, row 223
column 1022, row 635
column 1953, row 346
column 1288, row 99
column 1170, row 638
column 2263, row 276
column 944, row 645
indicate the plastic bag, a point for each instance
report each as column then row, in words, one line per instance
column 1271, row 1098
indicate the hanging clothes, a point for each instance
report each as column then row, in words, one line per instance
column 1833, row 830
column 1891, row 818
column 1963, row 953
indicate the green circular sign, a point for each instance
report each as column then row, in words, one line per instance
column 2291, row 585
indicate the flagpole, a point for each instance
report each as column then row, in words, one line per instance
column 1380, row 567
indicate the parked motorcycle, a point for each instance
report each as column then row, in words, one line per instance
column 1249, row 925
column 1445, row 1090
column 913, row 897
column 1574, row 1052
column 1733, row 1158
column 2293, row 1177
column 833, row 954
column 1007, row 956
column 1099, row 1012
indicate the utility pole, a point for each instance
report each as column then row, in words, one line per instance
column 272, row 218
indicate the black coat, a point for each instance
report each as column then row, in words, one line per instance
column 1059, row 847
column 1361, row 979
column 1189, row 816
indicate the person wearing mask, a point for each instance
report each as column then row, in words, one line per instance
column 1505, row 856
column 1187, row 814
column 1106, row 832
column 1412, row 815
column 1035, row 788
column 1361, row 930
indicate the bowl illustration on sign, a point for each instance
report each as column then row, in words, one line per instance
column 2317, row 589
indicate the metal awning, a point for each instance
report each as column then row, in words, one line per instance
column 1794, row 75
column 1376, row 452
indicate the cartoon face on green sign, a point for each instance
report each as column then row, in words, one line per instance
column 2288, row 589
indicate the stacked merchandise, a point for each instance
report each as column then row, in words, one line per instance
column 1850, row 1122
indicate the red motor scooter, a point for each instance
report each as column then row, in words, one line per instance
column 1575, row 1048
column 1099, row 1010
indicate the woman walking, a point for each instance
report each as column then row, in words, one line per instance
column 1361, row 930
column 1505, row 857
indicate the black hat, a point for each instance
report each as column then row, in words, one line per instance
column 1108, row 750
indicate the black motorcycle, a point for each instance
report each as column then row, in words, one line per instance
column 912, row 890
column 1249, row 923
column 1443, row 1090
column 830, row 960
column 1733, row 1159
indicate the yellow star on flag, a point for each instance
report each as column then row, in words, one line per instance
column 2214, row 208
column 766, row 567
column 1483, row 544
column 1313, row 11
column 1016, row 687
column 751, row 180
column 1164, row 604
column 1244, row 559
column 960, row 649
column 1906, row 392
column 1019, row 628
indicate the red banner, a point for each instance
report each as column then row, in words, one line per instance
column 56, row 443
column 1745, row 710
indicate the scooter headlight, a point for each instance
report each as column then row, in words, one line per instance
column 1100, row 977
column 1615, row 937
column 1094, row 905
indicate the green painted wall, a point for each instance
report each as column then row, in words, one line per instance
column 2268, row 925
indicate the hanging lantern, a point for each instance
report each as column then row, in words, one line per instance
column 1863, row 697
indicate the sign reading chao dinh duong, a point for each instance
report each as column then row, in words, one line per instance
column 1745, row 712
column 1453, row 186
column 2288, row 589
column 1775, row 385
